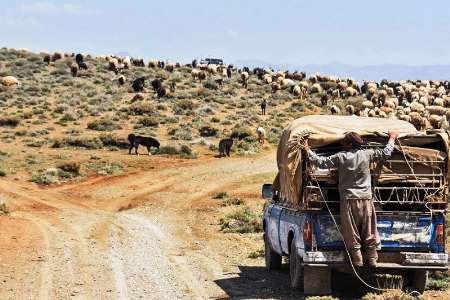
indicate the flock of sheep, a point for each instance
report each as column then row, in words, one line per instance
column 424, row 103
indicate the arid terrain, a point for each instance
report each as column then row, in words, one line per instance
column 83, row 219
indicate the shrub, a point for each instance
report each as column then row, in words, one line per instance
column 114, row 141
column 141, row 109
column 70, row 167
column 241, row 221
column 149, row 121
column 241, row 132
column 207, row 131
column 103, row 124
column 9, row 121
column 256, row 254
column 105, row 168
column 82, row 142
column 210, row 85
column 221, row 195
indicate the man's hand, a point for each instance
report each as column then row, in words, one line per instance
column 305, row 144
column 393, row 135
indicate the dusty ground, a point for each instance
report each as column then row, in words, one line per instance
column 81, row 241
column 149, row 234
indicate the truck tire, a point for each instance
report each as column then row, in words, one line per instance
column 273, row 259
column 295, row 268
column 417, row 280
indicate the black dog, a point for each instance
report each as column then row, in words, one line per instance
column 225, row 147
column 136, row 140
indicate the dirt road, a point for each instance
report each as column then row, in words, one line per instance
column 144, row 235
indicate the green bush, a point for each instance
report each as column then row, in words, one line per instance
column 241, row 132
column 207, row 131
column 103, row 124
column 241, row 221
column 256, row 254
column 149, row 121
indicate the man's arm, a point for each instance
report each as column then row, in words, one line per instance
column 386, row 152
column 321, row 161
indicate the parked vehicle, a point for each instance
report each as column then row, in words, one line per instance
column 215, row 61
column 410, row 193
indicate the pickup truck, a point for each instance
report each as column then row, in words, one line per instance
column 410, row 193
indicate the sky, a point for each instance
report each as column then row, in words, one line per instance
column 289, row 31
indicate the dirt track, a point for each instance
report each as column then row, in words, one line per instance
column 144, row 235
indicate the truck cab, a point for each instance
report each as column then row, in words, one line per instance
column 410, row 192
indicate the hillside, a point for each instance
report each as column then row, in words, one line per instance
column 53, row 117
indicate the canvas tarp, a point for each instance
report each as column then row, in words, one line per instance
column 324, row 130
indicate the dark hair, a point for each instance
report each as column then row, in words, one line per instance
column 353, row 139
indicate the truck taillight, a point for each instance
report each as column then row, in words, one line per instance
column 439, row 234
column 307, row 233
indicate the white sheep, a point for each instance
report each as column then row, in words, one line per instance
column 261, row 134
column 10, row 80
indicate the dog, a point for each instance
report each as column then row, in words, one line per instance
column 136, row 140
column 225, row 147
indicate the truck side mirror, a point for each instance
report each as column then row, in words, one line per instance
column 267, row 191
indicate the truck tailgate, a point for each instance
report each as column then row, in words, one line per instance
column 398, row 231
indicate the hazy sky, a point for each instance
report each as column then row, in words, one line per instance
column 289, row 31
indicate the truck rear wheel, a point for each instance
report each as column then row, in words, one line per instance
column 417, row 280
column 295, row 268
column 273, row 259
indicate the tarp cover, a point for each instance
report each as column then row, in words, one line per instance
column 324, row 130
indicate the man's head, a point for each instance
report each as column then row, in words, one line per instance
column 352, row 140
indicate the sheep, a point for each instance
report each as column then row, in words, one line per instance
column 153, row 63
column 244, row 78
column 296, row 90
column 74, row 70
column 126, row 62
column 57, row 56
column 382, row 114
column 261, row 135
column 439, row 102
column 156, row 83
column 10, row 81
column 212, row 69
column 350, row 109
column 367, row 104
column 342, row 85
column 389, row 103
column 79, row 58
column 267, row 78
column 138, row 84
column 121, row 79
column 46, row 58
column 436, row 110
column 169, row 67
column 435, row 120
column 416, row 106
column 161, row 92
column 316, row 88
column 275, row 87
column 351, row 91
column 335, row 110
column 286, row 83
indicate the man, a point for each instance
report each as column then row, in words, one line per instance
column 358, row 217
column 263, row 107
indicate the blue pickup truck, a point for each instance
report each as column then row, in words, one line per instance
column 410, row 193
